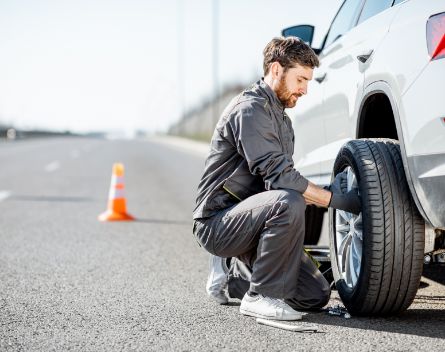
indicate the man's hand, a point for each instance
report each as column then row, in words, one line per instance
column 338, row 184
column 318, row 196
column 332, row 195
column 321, row 197
column 349, row 201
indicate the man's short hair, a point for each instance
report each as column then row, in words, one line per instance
column 288, row 52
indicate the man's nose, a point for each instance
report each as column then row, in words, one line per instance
column 305, row 88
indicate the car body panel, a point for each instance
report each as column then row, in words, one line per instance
column 344, row 84
column 429, row 183
column 308, row 129
column 411, row 74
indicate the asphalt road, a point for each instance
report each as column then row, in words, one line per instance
column 69, row 282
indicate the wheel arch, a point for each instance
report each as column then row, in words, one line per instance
column 376, row 117
column 380, row 91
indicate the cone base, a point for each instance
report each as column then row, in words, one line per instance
column 113, row 216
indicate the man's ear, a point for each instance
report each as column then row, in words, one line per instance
column 276, row 70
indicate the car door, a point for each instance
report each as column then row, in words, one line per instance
column 345, row 59
column 309, row 113
column 309, row 131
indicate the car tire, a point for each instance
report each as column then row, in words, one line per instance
column 383, row 246
column 313, row 224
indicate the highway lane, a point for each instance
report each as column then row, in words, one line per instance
column 70, row 282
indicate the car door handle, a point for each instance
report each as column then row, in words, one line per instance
column 363, row 58
column 321, row 78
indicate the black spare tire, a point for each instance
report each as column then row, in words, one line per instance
column 313, row 224
column 377, row 257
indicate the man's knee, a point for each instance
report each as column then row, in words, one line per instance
column 314, row 299
column 325, row 294
column 322, row 294
column 295, row 205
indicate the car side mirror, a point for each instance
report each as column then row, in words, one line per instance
column 305, row 32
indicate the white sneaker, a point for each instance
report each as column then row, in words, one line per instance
column 217, row 280
column 268, row 308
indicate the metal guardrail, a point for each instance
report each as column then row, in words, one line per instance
column 13, row 134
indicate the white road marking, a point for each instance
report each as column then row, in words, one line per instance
column 4, row 195
column 75, row 154
column 52, row 166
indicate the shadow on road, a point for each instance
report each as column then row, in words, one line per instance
column 165, row 222
column 418, row 322
column 435, row 272
column 428, row 320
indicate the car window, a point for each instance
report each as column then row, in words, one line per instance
column 397, row 2
column 343, row 21
column 373, row 7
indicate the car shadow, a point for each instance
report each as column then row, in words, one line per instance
column 426, row 317
column 165, row 222
column 418, row 322
column 435, row 272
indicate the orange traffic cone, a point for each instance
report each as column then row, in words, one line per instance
column 117, row 209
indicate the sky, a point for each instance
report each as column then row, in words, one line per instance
column 125, row 65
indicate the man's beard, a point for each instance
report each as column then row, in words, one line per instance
column 284, row 95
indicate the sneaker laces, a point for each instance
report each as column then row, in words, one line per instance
column 276, row 302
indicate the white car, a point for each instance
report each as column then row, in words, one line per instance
column 376, row 108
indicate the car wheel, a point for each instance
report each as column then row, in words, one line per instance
column 377, row 256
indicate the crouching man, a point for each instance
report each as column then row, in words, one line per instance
column 251, row 200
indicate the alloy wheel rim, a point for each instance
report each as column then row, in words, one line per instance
column 349, row 238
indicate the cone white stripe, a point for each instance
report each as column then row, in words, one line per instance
column 117, row 179
column 116, row 193
column 51, row 167
column 4, row 195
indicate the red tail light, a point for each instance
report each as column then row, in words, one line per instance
column 435, row 36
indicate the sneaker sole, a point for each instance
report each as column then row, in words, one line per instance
column 256, row 315
column 219, row 300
